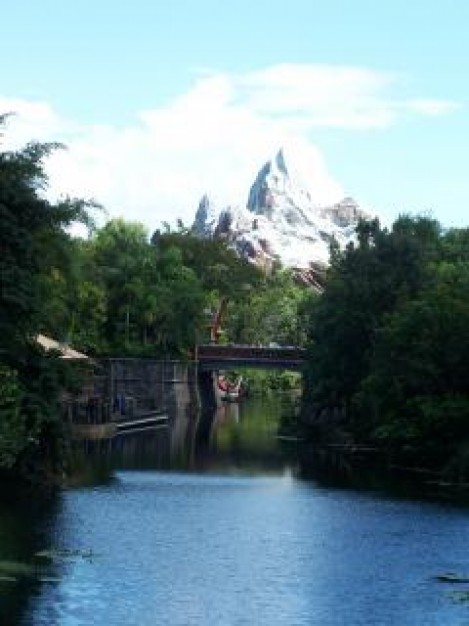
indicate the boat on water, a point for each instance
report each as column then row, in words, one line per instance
column 230, row 391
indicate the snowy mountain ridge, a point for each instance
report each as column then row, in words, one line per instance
column 281, row 221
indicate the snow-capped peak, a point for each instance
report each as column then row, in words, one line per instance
column 276, row 181
column 285, row 218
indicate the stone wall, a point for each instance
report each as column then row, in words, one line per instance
column 147, row 383
column 131, row 387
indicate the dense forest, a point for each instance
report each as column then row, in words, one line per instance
column 389, row 343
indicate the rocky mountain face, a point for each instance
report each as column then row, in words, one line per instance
column 281, row 221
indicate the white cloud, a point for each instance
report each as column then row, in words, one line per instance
column 319, row 95
column 212, row 138
column 32, row 121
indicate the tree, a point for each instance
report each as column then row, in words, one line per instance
column 416, row 390
column 218, row 268
column 153, row 301
column 121, row 259
column 389, row 338
column 365, row 283
column 33, row 243
column 179, row 303
column 270, row 313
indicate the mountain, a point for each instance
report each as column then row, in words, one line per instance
column 281, row 221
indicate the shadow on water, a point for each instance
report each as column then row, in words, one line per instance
column 94, row 462
column 365, row 471
column 26, row 522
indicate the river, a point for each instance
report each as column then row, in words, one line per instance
column 207, row 522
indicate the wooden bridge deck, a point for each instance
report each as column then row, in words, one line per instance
column 219, row 357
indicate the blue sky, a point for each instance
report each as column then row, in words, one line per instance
column 162, row 101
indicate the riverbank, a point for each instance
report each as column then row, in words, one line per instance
column 401, row 470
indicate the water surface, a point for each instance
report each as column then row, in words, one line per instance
column 207, row 523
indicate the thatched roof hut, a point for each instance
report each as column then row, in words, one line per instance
column 66, row 351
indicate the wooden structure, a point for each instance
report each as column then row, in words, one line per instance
column 225, row 357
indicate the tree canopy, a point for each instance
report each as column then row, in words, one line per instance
column 389, row 338
column 34, row 253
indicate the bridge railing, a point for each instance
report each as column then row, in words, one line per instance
column 211, row 352
column 254, row 351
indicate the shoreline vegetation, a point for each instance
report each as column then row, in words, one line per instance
column 388, row 360
column 387, row 339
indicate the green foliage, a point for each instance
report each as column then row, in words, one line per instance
column 34, row 259
column 389, row 338
column 261, row 383
column 365, row 283
column 217, row 267
column 35, row 249
column 13, row 431
column 145, row 294
column 43, row 378
column 121, row 265
column 271, row 313
column 119, row 294
column 421, row 355
column 432, row 420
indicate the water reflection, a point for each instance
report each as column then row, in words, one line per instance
column 231, row 438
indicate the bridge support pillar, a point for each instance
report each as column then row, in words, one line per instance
column 206, row 384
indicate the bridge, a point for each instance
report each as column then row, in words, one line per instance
column 224, row 357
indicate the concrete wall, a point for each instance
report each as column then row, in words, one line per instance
column 132, row 387
column 147, row 383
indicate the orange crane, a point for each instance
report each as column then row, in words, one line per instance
column 215, row 326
